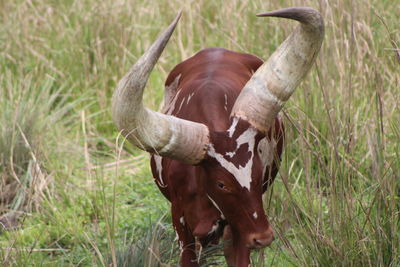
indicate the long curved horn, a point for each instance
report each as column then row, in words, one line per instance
column 155, row 132
column 274, row 82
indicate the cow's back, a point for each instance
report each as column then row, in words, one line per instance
column 208, row 84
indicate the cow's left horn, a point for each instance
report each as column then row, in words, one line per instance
column 152, row 131
column 274, row 82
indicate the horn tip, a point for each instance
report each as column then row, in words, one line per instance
column 178, row 16
column 287, row 11
column 305, row 15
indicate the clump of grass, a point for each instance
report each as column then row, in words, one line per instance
column 153, row 247
column 30, row 111
column 156, row 245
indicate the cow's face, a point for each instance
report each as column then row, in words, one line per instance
column 235, row 171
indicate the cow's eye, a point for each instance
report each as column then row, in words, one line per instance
column 221, row 185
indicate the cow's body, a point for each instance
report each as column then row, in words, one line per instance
column 207, row 86
column 217, row 144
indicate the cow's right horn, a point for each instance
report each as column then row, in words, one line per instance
column 155, row 132
column 274, row 82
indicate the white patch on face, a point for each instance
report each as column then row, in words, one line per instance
column 189, row 97
column 232, row 129
column 255, row 215
column 241, row 174
column 230, row 154
column 182, row 220
column 158, row 161
column 216, row 206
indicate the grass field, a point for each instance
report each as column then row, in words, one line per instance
column 69, row 194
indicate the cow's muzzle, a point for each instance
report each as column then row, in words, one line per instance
column 260, row 240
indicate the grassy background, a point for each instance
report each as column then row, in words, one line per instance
column 70, row 196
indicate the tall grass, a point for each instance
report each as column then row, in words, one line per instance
column 30, row 110
column 336, row 201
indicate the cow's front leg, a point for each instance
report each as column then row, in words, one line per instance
column 185, row 238
column 236, row 254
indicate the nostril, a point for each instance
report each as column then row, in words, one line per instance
column 263, row 242
column 260, row 240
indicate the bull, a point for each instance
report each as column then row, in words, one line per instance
column 216, row 145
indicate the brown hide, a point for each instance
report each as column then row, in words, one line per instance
column 209, row 196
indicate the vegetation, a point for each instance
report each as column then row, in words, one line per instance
column 71, row 196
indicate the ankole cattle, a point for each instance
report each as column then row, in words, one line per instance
column 217, row 143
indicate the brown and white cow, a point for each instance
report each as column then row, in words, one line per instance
column 217, row 144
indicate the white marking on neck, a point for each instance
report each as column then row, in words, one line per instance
column 170, row 107
column 176, row 234
column 216, row 206
column 179, row 241
column 243, row 173
column 255, row 216
column 232, row 129
column 180, row 106
column 182, row 220
column 213, row 228
column 158, row 161
column 226, row 102
column 189, row 97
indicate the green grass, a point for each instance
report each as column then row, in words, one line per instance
column 80, row 200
